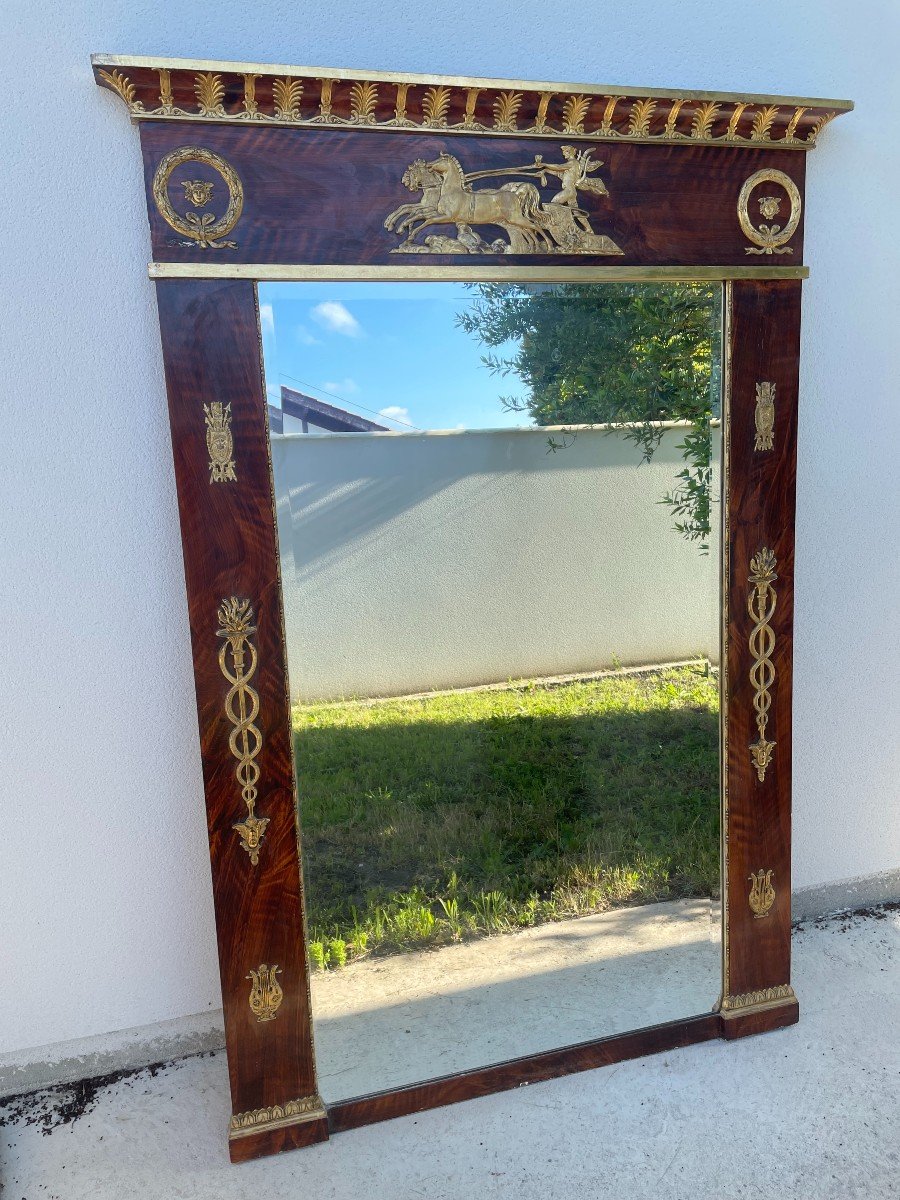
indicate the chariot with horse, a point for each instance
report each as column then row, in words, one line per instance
column 531, row 225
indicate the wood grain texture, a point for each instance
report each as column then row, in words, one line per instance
column 211, row 347
column 763, row 1020
column 519, row 1072
column 764, row 346
column 276, row 1141
column 321, row 196
column 211, row 352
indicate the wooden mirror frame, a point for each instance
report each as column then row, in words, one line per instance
column 299, row 168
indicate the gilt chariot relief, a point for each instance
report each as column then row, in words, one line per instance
column 530, row 223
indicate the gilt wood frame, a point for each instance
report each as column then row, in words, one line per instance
column 310, row 161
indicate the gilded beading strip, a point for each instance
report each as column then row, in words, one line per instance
column 724, row 601
column 464, row 271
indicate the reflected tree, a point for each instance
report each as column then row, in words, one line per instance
column 627, row 355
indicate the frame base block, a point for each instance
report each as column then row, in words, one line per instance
column 273, row 1140
column 746, row 1022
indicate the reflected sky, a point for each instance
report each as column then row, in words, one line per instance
column 392, row 353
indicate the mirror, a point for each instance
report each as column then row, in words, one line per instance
column 498, row 513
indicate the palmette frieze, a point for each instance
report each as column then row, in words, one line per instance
column 780, row 994
column 292, row 1112
column 295, row 96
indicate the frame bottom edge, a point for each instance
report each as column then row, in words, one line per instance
column 515, row 1073
column 278, row 1136
column 761, row 1018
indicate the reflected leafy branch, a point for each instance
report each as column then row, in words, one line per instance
column 626, row 355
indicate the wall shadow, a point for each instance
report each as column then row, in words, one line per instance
column 339, row 491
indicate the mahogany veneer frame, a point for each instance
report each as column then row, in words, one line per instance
column 297, row 169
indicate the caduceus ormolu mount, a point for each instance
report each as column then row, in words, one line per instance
column 257, row 173
column 238, row 660
column 761, row 602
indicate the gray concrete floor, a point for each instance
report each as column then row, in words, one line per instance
column 395, row 1020
column 808, row 1113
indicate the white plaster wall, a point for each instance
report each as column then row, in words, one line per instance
column 104, row 883
column 413, row 561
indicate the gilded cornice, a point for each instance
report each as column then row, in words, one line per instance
column 236, row 93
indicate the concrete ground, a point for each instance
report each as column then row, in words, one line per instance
column 395, row 1020
column 808, row 1113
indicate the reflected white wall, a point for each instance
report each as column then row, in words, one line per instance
column 437, row 560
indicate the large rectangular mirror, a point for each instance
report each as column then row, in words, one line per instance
column 530, row 358
column 499, row 511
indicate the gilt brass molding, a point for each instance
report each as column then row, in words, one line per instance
column 531, row 224
column 292, row 1112
column 762, row 893
column 725, row 620
column 769, row 239
column 761, row 607
column 202, row 229
column 265, row 993
column 219, row 442
column 186, row 90
column 761, row 999
column 464, row 272
column 238, row 661
column 764, row 416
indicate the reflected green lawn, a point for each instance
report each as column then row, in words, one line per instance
column 430, row 820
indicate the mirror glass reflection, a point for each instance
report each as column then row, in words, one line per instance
column 498, row 513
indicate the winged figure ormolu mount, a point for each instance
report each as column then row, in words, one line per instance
column 531, row 224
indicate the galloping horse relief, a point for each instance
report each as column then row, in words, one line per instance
column 531, row 226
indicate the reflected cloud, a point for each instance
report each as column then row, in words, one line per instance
column 394, row 412
column 341, row 387
column 334, row 316
column 267, row 318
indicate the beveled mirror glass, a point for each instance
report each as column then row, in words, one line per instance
column 499, row 524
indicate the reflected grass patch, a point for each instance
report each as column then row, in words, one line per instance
column 429, row 820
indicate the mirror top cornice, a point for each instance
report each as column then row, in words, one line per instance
column 238, row 92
